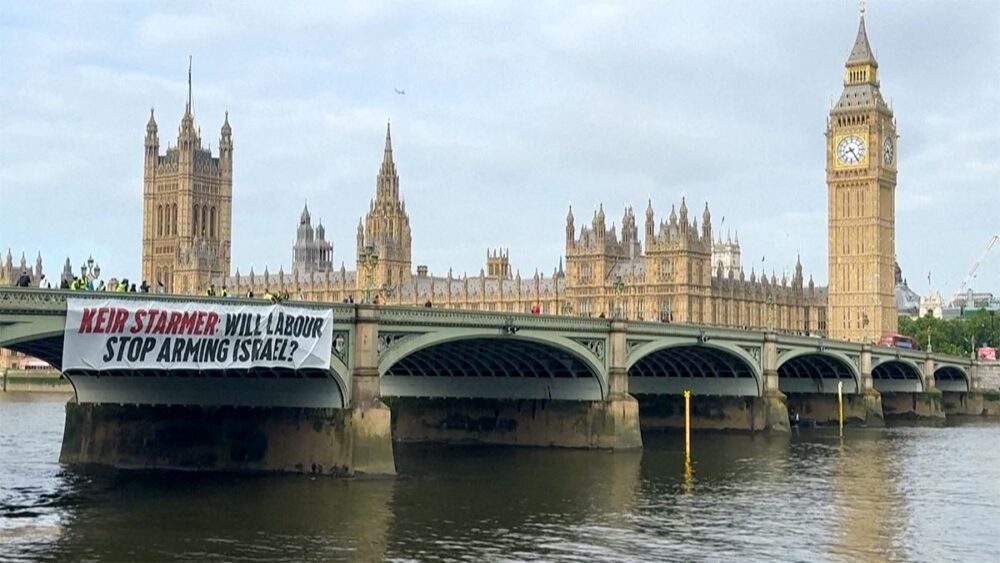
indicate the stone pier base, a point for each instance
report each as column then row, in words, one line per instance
column 612, row 424
column 859, row 410
column 991, row 403
column 299, row 440
column 919, row 407
column 714, row 412
column 973, row 403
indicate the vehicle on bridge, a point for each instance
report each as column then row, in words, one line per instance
column 893, row 340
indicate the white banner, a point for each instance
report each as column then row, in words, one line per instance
column 109, row 334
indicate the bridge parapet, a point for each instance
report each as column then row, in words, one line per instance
column 53, row 301
column 426, row 316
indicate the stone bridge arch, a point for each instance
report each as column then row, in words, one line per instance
column 45, row 346
column 813, row 371
column 482, row 363
column 952, row 379
column 897, row 375
column 706, row 368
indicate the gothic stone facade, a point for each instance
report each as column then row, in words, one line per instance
column 311, row 253
column 187, row 208
column 674, row 280
column 682, row 276
column 9, row 273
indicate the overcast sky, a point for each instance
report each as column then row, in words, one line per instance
column 511, row 111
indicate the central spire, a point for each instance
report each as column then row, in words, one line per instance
column 188, row 109
column 388, row 181
column 387, row 157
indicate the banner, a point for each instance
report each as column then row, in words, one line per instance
column 110, row 334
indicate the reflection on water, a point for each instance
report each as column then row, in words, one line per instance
column 896, row 494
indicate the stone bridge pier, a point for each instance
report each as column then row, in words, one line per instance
column 307, row 422
column 817, row 401
column 909, row 388
column 504, row 384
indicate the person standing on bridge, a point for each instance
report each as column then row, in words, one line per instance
column 24, row 280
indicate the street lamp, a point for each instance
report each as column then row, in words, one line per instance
column 90, row 271
column 368, row 259
column 388, row 291
column 993, row 334
column 619, row 287
column 770, row 312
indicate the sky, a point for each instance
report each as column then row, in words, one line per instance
column 512, row 111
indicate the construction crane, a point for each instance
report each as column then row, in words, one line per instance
column 975, row 265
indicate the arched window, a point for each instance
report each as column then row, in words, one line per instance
column 159, row 220
column 204, row 220
column 194, row 221
column 173, row 219
column 211, row 218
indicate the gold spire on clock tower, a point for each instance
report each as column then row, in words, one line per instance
column 861, row 185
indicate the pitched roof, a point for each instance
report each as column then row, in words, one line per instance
column 861, row 53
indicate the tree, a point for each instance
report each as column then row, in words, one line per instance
column 958, row 337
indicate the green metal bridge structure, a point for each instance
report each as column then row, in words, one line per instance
column 399, row 373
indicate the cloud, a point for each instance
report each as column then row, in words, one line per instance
column 510, row 112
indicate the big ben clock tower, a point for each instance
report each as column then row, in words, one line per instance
column 861, row 184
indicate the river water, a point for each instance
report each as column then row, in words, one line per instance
column 898, row 494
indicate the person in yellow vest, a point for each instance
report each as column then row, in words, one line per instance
column 268, row 296
column 225, row 292
column 122, row 286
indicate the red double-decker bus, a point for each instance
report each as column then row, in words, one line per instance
column 894, row 340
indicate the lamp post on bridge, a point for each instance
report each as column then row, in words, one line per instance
column 770, row 311
column 90, row 271
column 368, row 259
column 388, row 291
column 619, row 288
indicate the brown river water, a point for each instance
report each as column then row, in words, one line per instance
column 894, row 494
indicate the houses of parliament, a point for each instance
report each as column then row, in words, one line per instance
column 680, row 270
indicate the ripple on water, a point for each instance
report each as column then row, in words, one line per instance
column 894, row 494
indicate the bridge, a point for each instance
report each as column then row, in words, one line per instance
column 402, row 374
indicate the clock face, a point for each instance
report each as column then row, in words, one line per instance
column 851, row 150
column 887, row 151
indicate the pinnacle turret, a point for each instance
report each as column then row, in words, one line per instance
column 387, row 155
column 189, row 110
column 151, row 127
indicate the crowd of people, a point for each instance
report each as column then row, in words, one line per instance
column 113, row 285
column 80, row 283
